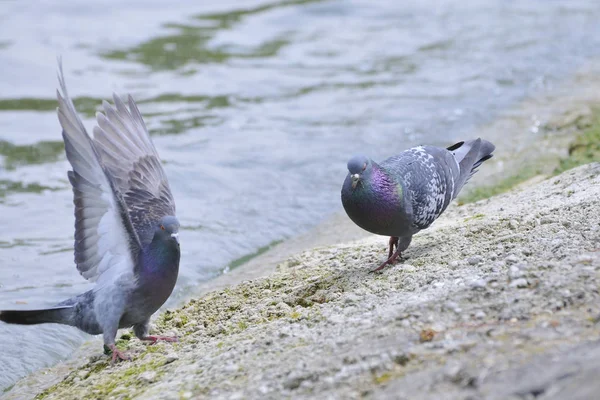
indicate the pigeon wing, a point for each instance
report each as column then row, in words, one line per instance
column 129, row 156
column 428, row 172
column 106, row 245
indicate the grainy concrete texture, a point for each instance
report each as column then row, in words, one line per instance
column 497, row 300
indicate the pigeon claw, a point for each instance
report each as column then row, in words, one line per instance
column 392, row 257
column 389, row 261
column 117, row 354
column 155, row 339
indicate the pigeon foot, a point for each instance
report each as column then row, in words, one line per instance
column 392, row 256
column 117, row 354
column 155, row 339
column 390, row 260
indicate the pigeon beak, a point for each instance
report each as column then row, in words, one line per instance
column 175, row 236
column 355, row 179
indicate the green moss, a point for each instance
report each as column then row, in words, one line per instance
column 164, row 318
column 121, row 343
column 116, row 377
column 506, row 184
column 128, row 379
column 383, row 378
column 585, row 148
column 181, row 321
column 476, row 216
column 92, row 367
column 153, row 348
column 218, row 314
column 419, row 262
column 96, row 368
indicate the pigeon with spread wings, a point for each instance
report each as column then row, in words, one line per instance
column 126, row 232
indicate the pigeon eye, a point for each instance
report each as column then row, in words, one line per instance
column 162, row 227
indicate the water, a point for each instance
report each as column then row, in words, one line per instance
column 255, row 107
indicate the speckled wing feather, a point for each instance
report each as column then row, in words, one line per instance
column 129, row 156
column 105, row 241
column 429, row 174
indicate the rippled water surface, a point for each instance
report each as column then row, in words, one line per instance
column 255, row 107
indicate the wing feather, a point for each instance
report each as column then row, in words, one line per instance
column 105, row 242
column 428, row 173
column 129, row 156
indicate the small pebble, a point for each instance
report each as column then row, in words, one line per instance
column 450, row 305
column 408, row 268
column 585, row 259
column 519, row 283
column 263, row 389
column 148, row 376
column 231, row 368
column 351, row 298
column 514, row 272
column 522, row 265
column 474, row 260
column 477, row 284
column 171, row 357
column 511, row 259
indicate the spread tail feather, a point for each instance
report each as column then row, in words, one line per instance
column 59, row 315
column 470, row 155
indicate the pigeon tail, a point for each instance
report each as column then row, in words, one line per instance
column 470, row 155
column 59, row 315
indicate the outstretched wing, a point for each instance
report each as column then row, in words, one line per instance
column 105, row 241
column 130, row 158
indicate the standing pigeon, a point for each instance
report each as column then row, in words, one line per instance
column 126, row 232
column 406, row 193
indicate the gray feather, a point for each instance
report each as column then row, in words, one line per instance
column 408, row 192
column 90, row 180
column 470, row 155
column 62, row 315
column 131, row 159
column 125, row 227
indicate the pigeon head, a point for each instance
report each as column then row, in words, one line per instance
column 167, row 229
column 358, row 167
